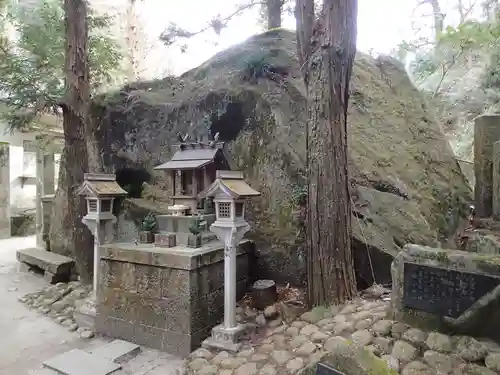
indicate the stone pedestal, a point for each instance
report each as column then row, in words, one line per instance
column 226, row 336
column 486, row 133
column 85, row 313
column 166, row 298
column 4, row 190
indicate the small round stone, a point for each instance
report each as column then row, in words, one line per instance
column 73, row 327
column 306, row 349
column 201, row 353
column 308, row 330
column 268, row 370
column 208, row 370
column 86, row 334
column 382, row 327
column 443, row 363
column 415, row 336
column 392, row 362
column 298, row 341
column 362, row 324
column 231, row 363
column 362, row 338
column 493, row 361
column 220, row 357
column 383, row 344
column 470, row 349
column 417, row 368
column 439, row 342
column 281, row 357
column 292, row 331
column 319, row 336
column 398, row 329
column 403, row 351
column 197, row 363
column 295, row 364
column 343, row 328
column 333, row 343
column 349, row 309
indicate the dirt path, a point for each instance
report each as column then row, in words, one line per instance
column 27, row 338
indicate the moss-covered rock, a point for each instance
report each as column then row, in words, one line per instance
column 408, row 186
column 352, row 360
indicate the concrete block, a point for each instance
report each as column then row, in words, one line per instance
column 78, row 362
column 117, row 351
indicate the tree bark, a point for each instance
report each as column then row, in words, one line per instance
column 304, row 16
column 74, row 160
column 274, row 8
column 331, row 277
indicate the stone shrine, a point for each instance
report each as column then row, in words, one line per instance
column 192, row 169
column 447, row 290
column 169, row 294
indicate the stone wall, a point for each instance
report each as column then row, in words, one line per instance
column 165, row 298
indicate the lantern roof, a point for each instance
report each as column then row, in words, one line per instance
column 230, row 183
column 100, row 185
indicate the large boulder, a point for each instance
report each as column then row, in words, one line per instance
column 407, row 186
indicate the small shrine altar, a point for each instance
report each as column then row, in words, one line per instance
column 191, row 169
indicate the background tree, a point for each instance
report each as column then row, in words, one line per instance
column 327, row 50
column 32, row 64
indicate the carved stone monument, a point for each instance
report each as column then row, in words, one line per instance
column 447, row 290
column 100, row 190
column 229, row 191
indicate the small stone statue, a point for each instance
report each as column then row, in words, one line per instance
column 197, row 225
column 149, row 223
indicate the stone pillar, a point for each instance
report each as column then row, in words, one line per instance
column 45, row 179
column 227, row 335
column 38, row 199
column 4, row 190
column 486, row 132
column 496, row 181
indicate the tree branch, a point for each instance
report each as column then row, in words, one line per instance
column 173, row 32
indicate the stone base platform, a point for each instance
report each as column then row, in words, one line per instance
column 165, row 298
column 55, row 267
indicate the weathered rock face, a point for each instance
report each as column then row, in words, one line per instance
column 408, row 183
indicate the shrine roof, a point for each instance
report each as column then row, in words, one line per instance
column 100, row 185
column 191, row 156
column 230, row 183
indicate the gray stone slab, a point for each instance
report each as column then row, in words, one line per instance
column 117, row 351
column 43, row 371
column 78, row 362
column 51, row 262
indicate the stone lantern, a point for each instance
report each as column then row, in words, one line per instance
column 229, row 192
column 100, row 190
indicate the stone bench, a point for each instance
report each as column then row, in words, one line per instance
column 56, row 268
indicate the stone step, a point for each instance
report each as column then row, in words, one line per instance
column 56, row 267
column 117, row 351
column 79, row 362
column 43, row 371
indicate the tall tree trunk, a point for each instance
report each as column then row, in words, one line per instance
column 331, row 277
column 74, row 160
column 274, row 8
